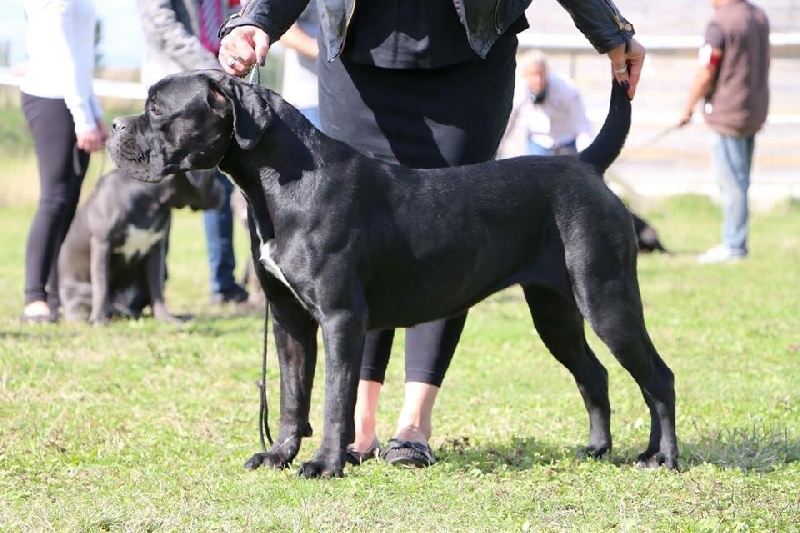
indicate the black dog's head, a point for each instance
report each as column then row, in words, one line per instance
column 188, row 123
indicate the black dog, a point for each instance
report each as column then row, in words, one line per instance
column 350, row 243
column 113, row 260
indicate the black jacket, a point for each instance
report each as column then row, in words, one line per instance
column 485, row 20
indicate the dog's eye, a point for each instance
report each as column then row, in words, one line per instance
column 155, row 111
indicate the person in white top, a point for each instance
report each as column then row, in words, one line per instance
column 547, row 116
column 66, row 121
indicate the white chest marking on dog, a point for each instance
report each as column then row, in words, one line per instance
column 268, row 260
column 138, row 241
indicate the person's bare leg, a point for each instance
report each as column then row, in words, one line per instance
column 414, row 423
column 366, row 414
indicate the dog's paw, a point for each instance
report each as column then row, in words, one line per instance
column 268, row 460
column 319, row 469
column 595, row 451
column 657, row 459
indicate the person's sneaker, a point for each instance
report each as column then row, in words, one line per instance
column 721, row 254
column 235, row 295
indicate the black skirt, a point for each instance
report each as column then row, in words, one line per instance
column 421, row 118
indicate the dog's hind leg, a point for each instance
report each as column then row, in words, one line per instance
column 561, row 327
column 614, row 310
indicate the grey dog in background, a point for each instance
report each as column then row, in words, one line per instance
column 346, row 243
column 113, row 260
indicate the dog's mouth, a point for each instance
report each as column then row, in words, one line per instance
column 142, row 158
column 137, row 166
column 133, row 160
column 127, row 149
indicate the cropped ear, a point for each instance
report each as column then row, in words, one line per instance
column 251, row 112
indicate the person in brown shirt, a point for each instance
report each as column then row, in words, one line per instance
column 733, row 80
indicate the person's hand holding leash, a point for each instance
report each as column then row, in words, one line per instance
column 686, row 118
column 627, row 66
column 94, row 139
column 242, row 48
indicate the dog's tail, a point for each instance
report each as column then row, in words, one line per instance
column 608, row 144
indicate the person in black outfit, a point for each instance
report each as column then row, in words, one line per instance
column 427, row 84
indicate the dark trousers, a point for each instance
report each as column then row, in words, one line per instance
column 421, row 118
column 62, row 167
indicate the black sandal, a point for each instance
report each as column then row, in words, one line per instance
column 355, row 457
column 408, row 453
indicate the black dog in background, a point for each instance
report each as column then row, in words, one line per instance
column 113, row 260
column 346, row 243
column 646, row 236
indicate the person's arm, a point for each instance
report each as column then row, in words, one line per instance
column 601, row 22
column 247, row 35
column 701, row 86
column 58, row 24
column 296, row 39
column 705, row 76
column 514, row 140
column 610, row 33
column 162, row 30
column 274, row 17
column 56, row 21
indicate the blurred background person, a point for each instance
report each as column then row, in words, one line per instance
column 732, row 79
column 299, row 84
column 66, row 121
column 181, row 35
column 548, row 116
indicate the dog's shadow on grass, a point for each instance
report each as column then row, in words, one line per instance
column 753, row 449
column 520, row 453
column 757, row 448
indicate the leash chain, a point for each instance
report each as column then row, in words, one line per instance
column 263, row 410
column 76, row 164
column 264, row 435
column 254, row 77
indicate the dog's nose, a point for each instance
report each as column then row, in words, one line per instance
column 117, row 125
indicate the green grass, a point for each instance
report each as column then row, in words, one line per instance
column 145, row 427
column 14, row 136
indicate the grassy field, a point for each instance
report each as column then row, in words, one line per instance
column 145, row 427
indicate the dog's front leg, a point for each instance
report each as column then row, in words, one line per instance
column 99, row 261
column 295, row 334
column 343, row 336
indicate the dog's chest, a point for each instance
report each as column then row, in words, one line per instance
column 269, row 260
column 138, row 241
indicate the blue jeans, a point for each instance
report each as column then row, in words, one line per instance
column 733, row 157
column 219, row 241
